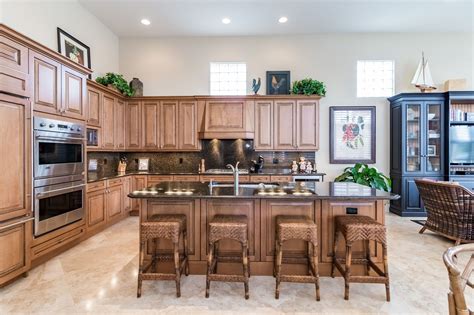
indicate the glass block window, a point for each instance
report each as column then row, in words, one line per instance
column 228, row 78
column 375, row 78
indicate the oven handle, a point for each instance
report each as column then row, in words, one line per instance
column 61, row 190
column 69, row 139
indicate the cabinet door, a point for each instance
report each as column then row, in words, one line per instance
column 14, row 76
column 150, row 115
column 127, row 185
column 263, row 125
column 307, row 125
column 119, row 137
column 114, row 202
column 284, row 125
column 108, row 123
column 138, row 182
column 187, row 127
column 96, row 205
column 133, row 125
column 15, row 181
column 433, row 150
column 73, row 93
column 15, row 248
column 168, row 125
column 46, row 83
column 94, row 107
column 413, row 136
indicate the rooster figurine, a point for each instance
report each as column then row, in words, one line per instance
column 256, row 85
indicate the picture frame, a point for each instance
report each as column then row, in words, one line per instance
column 74, row 49
column 278, row 82
column 431, row 151
column 352, row 134
column 143, row 164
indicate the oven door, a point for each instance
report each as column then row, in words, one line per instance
column 58, row 205
column 56, row 154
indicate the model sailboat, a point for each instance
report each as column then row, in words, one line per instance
column 422, row 78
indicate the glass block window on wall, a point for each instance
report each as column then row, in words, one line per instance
column 375, row 78
column 228, row 78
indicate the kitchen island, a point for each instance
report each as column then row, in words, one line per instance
column 261, row 203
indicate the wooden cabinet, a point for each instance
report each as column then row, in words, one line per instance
column 307, row 125
column 108, row 122
column 96, row 206
column 138, row 182
column 119, row 133
column 73, row 93
column 114, row 202
column 57, row 89
column 133, row 120
column 127, row 188
column 284, row 125
column 15, row 241
column 150, row 125
column 168, row 129
column 14, row 78
column 187, row 126
column 263, row 125
column 15, row 151
column 94, row 107
column 228, row 119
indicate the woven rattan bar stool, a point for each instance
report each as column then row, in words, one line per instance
column 360, row 228
column 296, row 228
column 233, row 227
column 169, row 227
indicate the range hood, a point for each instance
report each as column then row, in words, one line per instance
column 228, row 119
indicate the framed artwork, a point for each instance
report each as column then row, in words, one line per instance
column 278, row 82
column 143, row 164
column 74, row 49
column 352, row 134
column 431, row 150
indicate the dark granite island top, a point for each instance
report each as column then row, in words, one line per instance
column 294, row 190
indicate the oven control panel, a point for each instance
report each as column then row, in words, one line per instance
column 53, row 125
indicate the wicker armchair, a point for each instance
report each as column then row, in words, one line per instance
column 450, row 209
column 458, row 279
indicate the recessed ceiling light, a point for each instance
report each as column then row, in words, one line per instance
column 283, row 19
column 226, row 20
column 145, row 21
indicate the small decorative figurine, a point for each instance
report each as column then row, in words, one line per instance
column 302, row 164
column 309, row 167
column 294, row 167
column 256, row 85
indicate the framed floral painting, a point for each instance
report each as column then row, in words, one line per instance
column 352, row 134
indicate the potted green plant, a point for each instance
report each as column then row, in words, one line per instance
column 309, row 87
column 365, row 175
column 116, row 81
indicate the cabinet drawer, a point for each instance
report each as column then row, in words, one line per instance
column 281, row 178
column 186, row 178
column 96, row 185
column 13, row 67
column 114, row 182
column 217, row 178
column 260, row 179
column 56, row 242
column 154, row 179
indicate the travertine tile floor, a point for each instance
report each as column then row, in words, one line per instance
column 99, row 276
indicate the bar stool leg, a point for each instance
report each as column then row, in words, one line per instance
column 154, row 255
column 177, row 268
column 216, row 256
column 385, row 266
column 316, row 270
column 367, row 256
column 278, row 268
column 186, row 264
column 209, row 267
column 334, row 248
column 348, row 269
column 140, row 267
column 245, row 261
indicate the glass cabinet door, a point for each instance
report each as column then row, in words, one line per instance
column 433, row 138
column 413, row 138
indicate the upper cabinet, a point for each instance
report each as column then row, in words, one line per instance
column 150, row 124
column 228, row 118
column 287, row 125
column 73, row 93
column 169, row 125
column 187, row 126
column 14, row 77
column 108, row 122
column 119, row 136
column 94, row 107
column 133, row 123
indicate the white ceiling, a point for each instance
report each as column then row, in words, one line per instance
column 259, row 17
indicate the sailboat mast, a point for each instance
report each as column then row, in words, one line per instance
column 423, row 66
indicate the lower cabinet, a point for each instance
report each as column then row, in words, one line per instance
column 114, row 202
column 138, row 182
column 15, row 241
column 96, row 203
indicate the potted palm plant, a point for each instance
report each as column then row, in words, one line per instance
column 365, row 175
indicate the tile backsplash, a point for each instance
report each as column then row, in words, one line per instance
column 217, row 153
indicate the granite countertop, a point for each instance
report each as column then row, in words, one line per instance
column 298, row 190
column 98, row 176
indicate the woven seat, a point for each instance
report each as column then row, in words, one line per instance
column 232, row 227
column 296, row 228
column 168, row 227
column 360, row 228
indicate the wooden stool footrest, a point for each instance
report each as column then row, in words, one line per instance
column 226, row 278
column 157, row 276
column 368, row 279
column 297, row 279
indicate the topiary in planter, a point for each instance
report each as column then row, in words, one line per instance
column 309, row 87
column 117, row 81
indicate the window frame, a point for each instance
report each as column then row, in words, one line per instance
column 245, row 92
column 375, row 60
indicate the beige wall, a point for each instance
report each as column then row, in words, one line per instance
column 180, row 66
column 39, row 20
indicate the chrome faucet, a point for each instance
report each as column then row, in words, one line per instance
column 235, row 171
